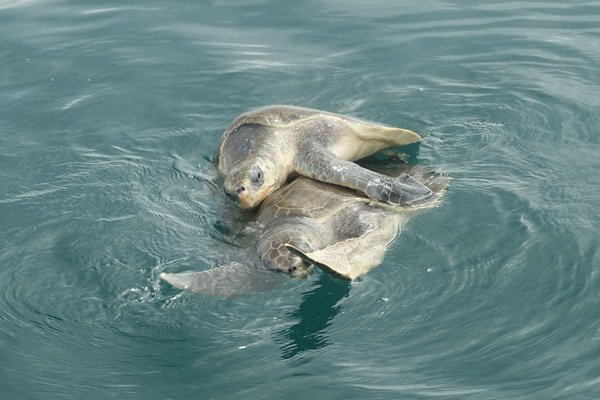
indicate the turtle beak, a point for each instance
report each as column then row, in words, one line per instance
column 240, row 195
column 229, row 194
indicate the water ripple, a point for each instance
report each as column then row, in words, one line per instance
column 110, row 118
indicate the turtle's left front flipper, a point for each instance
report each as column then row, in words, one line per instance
column 320, row 164
column 226, row 281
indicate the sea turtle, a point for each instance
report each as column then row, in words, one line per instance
column 263, row 147
column 307, row 223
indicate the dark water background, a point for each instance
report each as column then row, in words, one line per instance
column 492, row 295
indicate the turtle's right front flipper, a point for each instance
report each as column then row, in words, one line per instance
column 318, row 163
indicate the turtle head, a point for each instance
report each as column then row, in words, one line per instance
column 249, row 183
column 282, row 259
column 300, row 270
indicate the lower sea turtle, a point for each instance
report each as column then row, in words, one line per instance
column 307, row 223
column 263, row 147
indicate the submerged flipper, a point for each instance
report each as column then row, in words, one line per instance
column 226, row 281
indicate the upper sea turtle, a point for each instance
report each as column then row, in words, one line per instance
column 263, row 147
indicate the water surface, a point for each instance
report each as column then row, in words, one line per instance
column 491, row 295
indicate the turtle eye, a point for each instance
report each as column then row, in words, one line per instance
column 256, row 175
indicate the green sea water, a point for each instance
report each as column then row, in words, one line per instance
column 110, row 111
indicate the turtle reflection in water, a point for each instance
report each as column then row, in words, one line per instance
column 307, row 223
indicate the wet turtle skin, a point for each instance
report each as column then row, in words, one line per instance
column 261, row 149
column 310, row 223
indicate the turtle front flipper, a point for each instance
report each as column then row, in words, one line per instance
column 225, row 281
column 354, row 257
column 319, row 163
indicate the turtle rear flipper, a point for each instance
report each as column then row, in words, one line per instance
column 226, row 281
column 390, row 136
